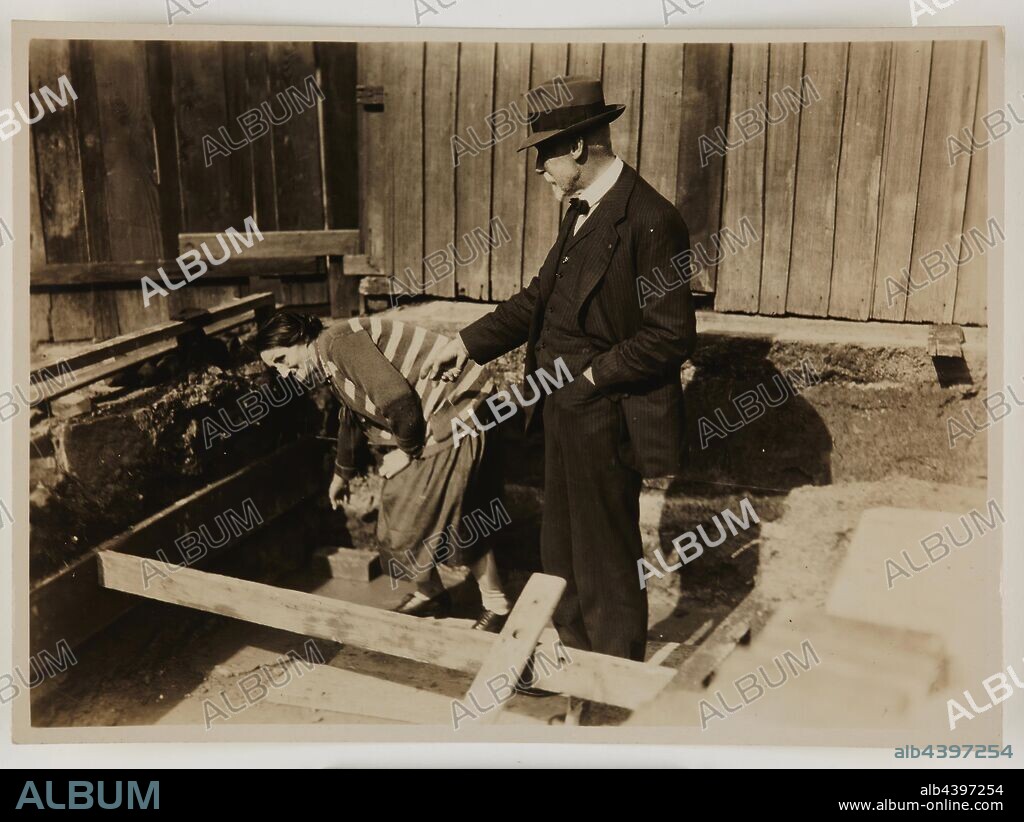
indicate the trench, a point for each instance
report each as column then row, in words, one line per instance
column 864, row 434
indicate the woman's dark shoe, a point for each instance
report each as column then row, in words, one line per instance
column 490, row 621
column 437, row 607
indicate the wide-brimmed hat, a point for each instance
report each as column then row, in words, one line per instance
column 566, row 105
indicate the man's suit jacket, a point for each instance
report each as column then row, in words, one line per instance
column 634, row 232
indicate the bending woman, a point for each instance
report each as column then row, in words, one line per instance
column 430, row 485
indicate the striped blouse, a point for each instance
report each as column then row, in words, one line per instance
column 373, row 365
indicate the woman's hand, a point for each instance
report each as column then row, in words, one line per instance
column 338, row 492
column 393, row 462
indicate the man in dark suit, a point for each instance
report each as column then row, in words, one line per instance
column 621, row 418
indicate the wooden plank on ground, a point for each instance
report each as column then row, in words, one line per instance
column 439, row 101
column 700, row 174
column 509, row 655
column 473, row 175
column 901, row 165
column 72, row 604
column 785, row 68
column 542, row 215
column 511, row 81
column 327, row 688
column 662, row 116
column 60, row 181
column 610, row 680
column 942, row 194
column 739, row 270
column 332, row 689
column 623, row 83
column 722, row 641
column 972, row 275
column 857, row 188
column 821, row 125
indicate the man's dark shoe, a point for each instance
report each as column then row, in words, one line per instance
column 437, row 607
column 490, row 621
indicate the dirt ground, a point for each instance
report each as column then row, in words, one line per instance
column 162, row 664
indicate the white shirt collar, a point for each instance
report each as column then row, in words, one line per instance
column 603, row 184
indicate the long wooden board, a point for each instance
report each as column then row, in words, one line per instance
column 94, row 179
column 814, row 218
column 72, row 604
column 858, row 183
column 326, row 688
column 662, row 116
column 942, row 194
column 971, row 277
column 739, row 272
column 610, row 680
column 405, row 116
column 509, row 655
column 60, row 182
column 542, row 210
column 511, row 80
column 473, row 175
column 901, row 166
column 623, row 83
column 104, row 359
column 282, row 244
column 56, row 275
column 785, row 68
column 439, row 113
column 705, row 100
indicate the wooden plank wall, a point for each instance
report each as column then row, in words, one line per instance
column 847, row 192
column 844, row 193
column 117, row 175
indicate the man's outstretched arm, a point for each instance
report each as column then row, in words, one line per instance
column 505, row 328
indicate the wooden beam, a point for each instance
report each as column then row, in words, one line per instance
column 72, row 604
column 55, row 275
column 326, row 688
column 946, row 341
column 509, row 655
column 284, row 244
column 610, row 680
column 359, row 265
column 694, row 674
column 97, row 362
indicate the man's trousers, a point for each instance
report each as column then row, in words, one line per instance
column 590, row 533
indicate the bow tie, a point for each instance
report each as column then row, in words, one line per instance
column 579, row 206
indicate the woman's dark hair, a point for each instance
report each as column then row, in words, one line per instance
column 286, row 328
